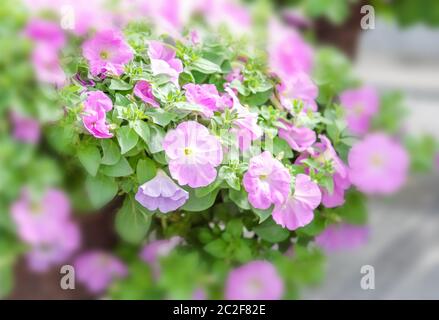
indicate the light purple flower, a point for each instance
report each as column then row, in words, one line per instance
column 299, row 138
column 46, row 64
column 153, row 251
column 246, row 126
column 143, row 90
column 298, row 209
column 107, row 52
column 163, row 61
column 360, row 105
column 288, row 53
column 98, row 269
column 298, row 87
column 256, row 280
column 46, row 33
column 343, row 236
column 193, row 154
column 161, row 193
column 205, row 96
column 267, row 181
column 94, row 117
column 25, row 129
column 378, row 164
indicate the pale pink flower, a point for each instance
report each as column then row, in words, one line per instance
column 143, row 90
column 25, row 129
column 298, row 209
column 256, row 280
column 342, row 236
column 163, row 61
column 205, row 96
column 267, row 181
column 300, row 87
column 193, row 154
column 107, row 52
column 47, row 65
column 360, row 106
column 378, row 164
column 298, row 138
column 46, row 33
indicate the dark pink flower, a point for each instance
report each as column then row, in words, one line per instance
column 47, row 65
column 46, row 33
column 25, row 129
column 205, row 96
column 143, row 90
column 94, row 117
column 299, row 138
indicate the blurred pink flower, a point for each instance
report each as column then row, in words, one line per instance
column 47, row 66
column 360, row 105
column 98, row 269
column 298, row 87
column 246, row 125
column 94, row 117
column 25, row 129
column 163, row 61
column 343, row 236
column 154, row 250
column 143, row 90
column 161, row 193
column 299, row 138
column 256, row 280
column 231, row 13
column 107, row 52
column 235, row 74
column 47, row 227
column 267, row 181
column 205, row 96
column 288, row 53
column 378, row 164
column 298, row 209
column 46, row 33
column 193, row 154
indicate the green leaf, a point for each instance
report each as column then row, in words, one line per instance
column 205, row 66
column 117, row 84
column 132, row 221
column 197, row 204
column 234, row 227
column 239, row 198
column 271, row 232
column 155, row 143
column 111, row 152
column 160, row 116
column 127, row 138
column 201, row 192
column 263, row 214
column 121, row 169
column 101, row 190
column 217, row 248
column 90, row 157
column 6, row 279
column 146, row 170
column 142, row 130
column 280, row 145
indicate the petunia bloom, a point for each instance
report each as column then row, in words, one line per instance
column 299, row 138
column 161, row 193
column 46, row 64
column 25, row 129
column 360, row 106
column 378, row 164
column 154, row 250
column 97, row 270
column 46, row 33
column 256, row 280
column 297, row 211
column 205, row 96
column 163, row 61
column 193, row 154
column 107, row 52
column 342, row 236
column 94, row 114
column 298, row 87
column 143, row 90
column 267, row 181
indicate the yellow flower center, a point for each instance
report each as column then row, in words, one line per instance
column 104, row 55
column 187, row 151
column 376, row 160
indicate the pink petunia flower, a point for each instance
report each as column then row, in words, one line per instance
column 46, row 33
column 163, row 61
column 342, row 236
column 288, row 53
column 25, row 129
column 298, row 87
column 193, row 154
column 256, row 280
column 154, row 250
column 360, row 106
column 246, row 126
column 107, row 52
column 206, row 96
column 299, row 138
column 94, row 118
column 267, row 181
column 230, row 13
column 378, row 164
column 98, row 269
column 143, row 90
column 297, row 211
column 161, row 193
column 47, row 65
